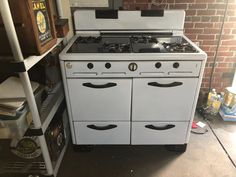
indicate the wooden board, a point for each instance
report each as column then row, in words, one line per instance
column 33, row 20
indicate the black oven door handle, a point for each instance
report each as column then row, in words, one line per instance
column 107, row 127
column 166, row 127
column 108, row 85
column 173, row 84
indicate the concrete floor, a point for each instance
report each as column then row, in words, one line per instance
column 204, row 158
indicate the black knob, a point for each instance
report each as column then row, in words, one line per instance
column 133, row 66
column 108, row 65
column 176, row 65
column 90, row 65
column 158, row 65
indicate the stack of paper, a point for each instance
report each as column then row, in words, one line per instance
column 12, row 96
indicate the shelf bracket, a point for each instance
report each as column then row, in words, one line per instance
column 12, row 67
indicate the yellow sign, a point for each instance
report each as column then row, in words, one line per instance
column 38, row 6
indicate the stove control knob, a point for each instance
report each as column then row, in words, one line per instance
column 133, row 66
column 176, row 65
column 108, row 65
column 158, row 65
column 68, row 65
column 90, row 65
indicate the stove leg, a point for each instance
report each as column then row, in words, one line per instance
column 83, row 148
column 177, row 148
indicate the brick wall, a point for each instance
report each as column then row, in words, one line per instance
column 202, row 24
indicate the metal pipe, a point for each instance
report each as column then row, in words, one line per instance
column 18, row 56
column 218, row 45
column 59, row 8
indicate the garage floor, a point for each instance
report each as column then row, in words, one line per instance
column 204, row 157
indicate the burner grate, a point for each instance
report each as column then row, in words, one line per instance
column 179, row 47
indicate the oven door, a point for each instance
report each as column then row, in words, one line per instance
column 163, row 99
column 100, row 99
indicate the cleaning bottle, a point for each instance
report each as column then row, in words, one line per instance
column 211, row 97
column 216, row 104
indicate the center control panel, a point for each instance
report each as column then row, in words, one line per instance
column 132, row 69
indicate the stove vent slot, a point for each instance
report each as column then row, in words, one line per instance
column 152, row 13
column 113, row 73
column 106, row 14
column 85, row 73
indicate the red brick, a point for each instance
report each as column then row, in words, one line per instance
column 205, row 1
column 178, row 6
column 203, row 36
column 203, row 25
column 232, row 6
column 223, row 49
column 209, row 42
column 227, row 31
column 234, row 31
column 197, row 6
column 190, row 12
column 226, row 37
column 220, row 12
column 141, row 6
column 217, row 25
column 211, row 31
column 232, row 49
column 230, row 59
column 183, row 1
column 229, row 42
column 205, row 48
column 196, row 30
column 229, row 25
column 228, row 54
column 188, row 25
column 192, row 36
column 231, row 13
column 216, row 6
column 206, row 12
column 223, row 65
column 170, row 1
column 232, row 19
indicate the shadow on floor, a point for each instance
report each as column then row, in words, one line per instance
column 114, row 161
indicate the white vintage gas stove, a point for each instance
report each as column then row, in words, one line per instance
column 131, row 77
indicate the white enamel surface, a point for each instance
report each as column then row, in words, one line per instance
column 117, row 135
column 129, row 20
column 145, row 69
column 104, row 104
column 152, row 103
column 142, row 135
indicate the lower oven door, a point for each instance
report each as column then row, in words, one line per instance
column 163, row 99
column 100, row 99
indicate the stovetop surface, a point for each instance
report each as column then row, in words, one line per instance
column 131, row 44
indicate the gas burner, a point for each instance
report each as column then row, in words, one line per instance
column 88, row 40
column 115, row 47
column 144, row 39
column 179, row 47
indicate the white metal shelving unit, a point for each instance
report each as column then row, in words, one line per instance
column 43, row 118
